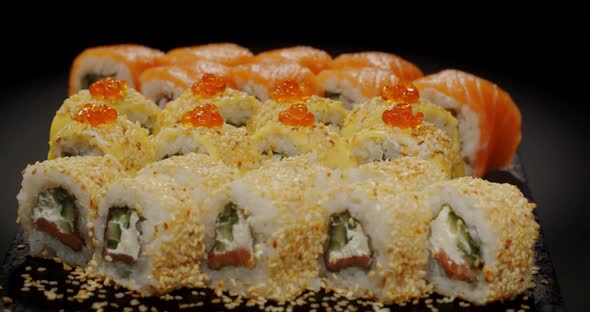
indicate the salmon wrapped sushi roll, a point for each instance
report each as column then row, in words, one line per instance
column 382, row 60
column 101, row 132
column 58, row 205
column 150, row 238
column 236, row 107
column 314, row 59
column 327, row 111
column 163, row 84
column 125, row 100
column 229, row 54
column 384, row 142
column 489, row 120
column 481, row 240
column 292, row 136
column 353, row 86
column 123, row 62
column 260, row 79
column 376, row 241
column 267, row 240
column 228, row 144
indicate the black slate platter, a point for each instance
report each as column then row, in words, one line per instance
column 31, row 284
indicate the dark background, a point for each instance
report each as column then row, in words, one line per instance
column 541, row 61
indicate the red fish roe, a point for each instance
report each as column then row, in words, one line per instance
column 209, row 86
column 297, row 115
column 203, row 116
column 108, row 88
column 291, row 91
column 96, row 114
column 401, row 116
column 402, row 91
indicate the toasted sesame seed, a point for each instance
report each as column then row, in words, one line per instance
column 134, row 302
column 143, row 308
column 524, row 306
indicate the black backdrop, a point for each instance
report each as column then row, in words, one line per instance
column 541, row 62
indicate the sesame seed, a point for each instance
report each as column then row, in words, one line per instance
column 134, row 302
column 41, row 269
column 28, row 268
column 524, row 306
column 143, row 308
column 20, row 246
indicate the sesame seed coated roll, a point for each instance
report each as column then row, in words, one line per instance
column 481, row 240
column 58, row 205
column 149, row 236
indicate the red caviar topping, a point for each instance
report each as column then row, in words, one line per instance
column 290, row 91
column 96, row 114
column 108, row 88
column 400, row 115
column 402, row 91
column 297, row 115
column 203, row 116
column 209, row 86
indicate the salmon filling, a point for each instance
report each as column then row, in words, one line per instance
column 122, row 235
column 164, row 100
column 233, row 240
column 455, row 247
column 348, row 245
column 56, row 214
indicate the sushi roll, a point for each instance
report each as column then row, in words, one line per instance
column 376, row 243
column 235, row 107
column 296, row 133
column 261, row 79
column 229, row 54
column 386, row 141
column 413, row 173
column 481, row 240
column 314, row 59
column 223, row 142
column 119, row 96
column 489, row 120
column 326, row 111
column 123, row 62
column 353, row 86
column 267, row 233
column 150, row 238
column 58, row 205
column 163, row 84
column 371, row 112
column 381, row 60
column 97, row 131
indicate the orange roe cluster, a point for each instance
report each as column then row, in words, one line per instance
column 209, row 86
column 108, row 88
column 297, row 115
column 96, row 114
column 402, row 91
column 291, row 91
column 401, row 116
column 203, row 116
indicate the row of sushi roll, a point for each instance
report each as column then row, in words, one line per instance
column 393, row 230
column 267, row 175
